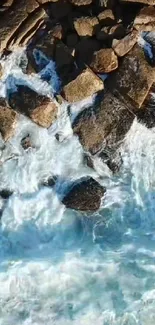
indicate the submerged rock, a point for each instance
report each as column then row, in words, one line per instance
column 41, row 109
column 104, row 125
column 86, row 84
column 8, row 120
column 85, row 195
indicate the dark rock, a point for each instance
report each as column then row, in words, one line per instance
column 26, row 142
column 39, row 108
column 85, row 195
column 50, row 182
column 72, row 39
column 106, row 17
column 109, row 33
column 60, row 9
column 99, row 127
column 5, row 194
column 8, row 120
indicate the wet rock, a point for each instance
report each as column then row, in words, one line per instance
column 26, row 142
column 85, row 49
column 108, row 33
column 85, row 195
column 81, row 2
column 134, row 77
column 57, row 31
column 145, row 20
column 123, row 46
column 104, row 61
column 86, row 26
column 50, row 182
column 99, row 127
column 8, row 120
column 106, row 17
column 5, row 194
column 39, row 108
column 112, row 159
column 86, row 84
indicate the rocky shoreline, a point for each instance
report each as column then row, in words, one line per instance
column 88, row 41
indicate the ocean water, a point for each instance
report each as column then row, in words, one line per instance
column 61, row 267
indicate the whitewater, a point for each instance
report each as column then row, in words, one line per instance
column 59, row 266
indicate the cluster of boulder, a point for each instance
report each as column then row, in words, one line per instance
column 86, row 39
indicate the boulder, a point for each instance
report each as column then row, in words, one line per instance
column 86, row 195
column 109, row 33
column 106, row 17
column 147, row 2
column 145, row 20
column 99, row 127
column 81, row 2
column 85, row 49
column 41, row 109
column 86, row 26
column 86, row 84
column 123, row 46
column 8, row 120
column 104, row 61
column 134, row 77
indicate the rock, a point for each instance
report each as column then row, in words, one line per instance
column 38, row 107
column 86, row 195
column 17, row 17
column 147, row 2
column 26, row 142
column 85, row 49
column 106, row 17
column 46, row 1
column 107, row 3
column 81, row 2
column 5, row 194
column 86, row 84
column 123, row 46
column 104, row 61
column 145, row 20
column 50, row 182
column 60, row 9
column 99, row 127
column 1, row 70
column 86, row 26
column 108, row 33
column 57, row 31
column 8, row 120
column 134, row 77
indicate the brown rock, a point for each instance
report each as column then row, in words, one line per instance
column 81, row 2
column 85, row 195
column 86, row 26
column 1, row 70
column 85, row 85
column 134, row 77
column 106, row 17
column 85, row 50
column 99, row 127
column 147, row 2
column 108, row 33
column 104, row 61
column 46, row 1
column 15, row 16
column 57, row 32
column 145, row 20
column 8, row 120
column 39, row 108
column 123, row 46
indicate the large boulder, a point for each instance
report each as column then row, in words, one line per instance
column 85, row 195
column 145, row 20
column 105, row 125
column 41, row 109
column 104, row 61
column 134, row 77
column 123, row 46
column 86, row 26
column 86, row 84
column 8, row 120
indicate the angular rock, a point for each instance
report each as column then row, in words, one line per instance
column 86, row 84
column 99, row 127
column 106, row 17
column 134, row 77
column 72, row 40
column 15, row 16
column 86, row 26
column 38, row 107
column 84, row 50
column 81, row 2
column 147, row 2
column 108, row 33
column 104, row 61
column 145, row 20
column 8, row 120
column 123, row 46
column 86, row 195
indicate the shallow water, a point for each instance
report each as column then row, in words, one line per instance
column 58, row 266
